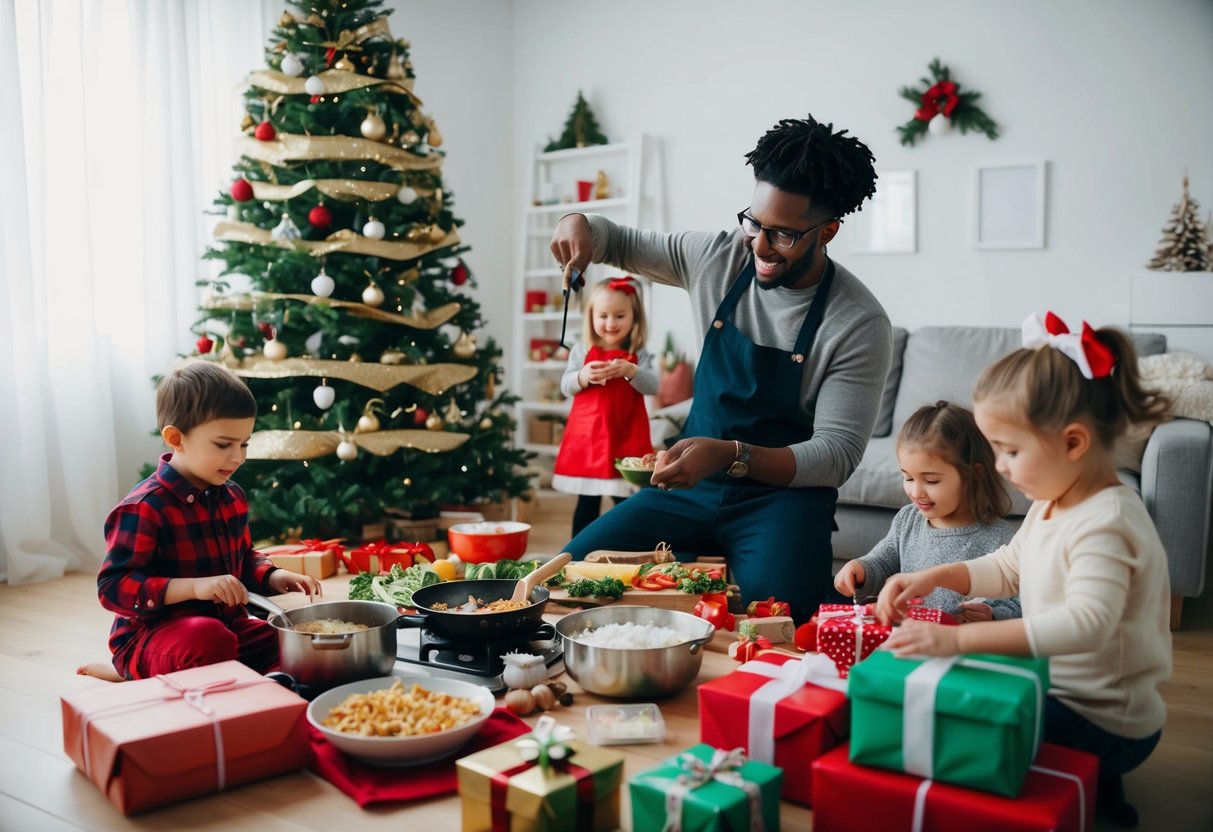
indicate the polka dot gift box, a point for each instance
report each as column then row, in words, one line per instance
column 848, row 633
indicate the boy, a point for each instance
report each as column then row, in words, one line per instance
column 179, row 558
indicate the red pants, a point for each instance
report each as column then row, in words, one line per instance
column 192, row 641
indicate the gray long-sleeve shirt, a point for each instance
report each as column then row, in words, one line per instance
column 913, row 544
column 845, row 372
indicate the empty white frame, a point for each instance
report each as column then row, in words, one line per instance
column 888, row 222
column 1009, row 205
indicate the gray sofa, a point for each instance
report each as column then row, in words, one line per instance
column 1175, row 479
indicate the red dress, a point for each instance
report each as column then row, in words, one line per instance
column 606, row 422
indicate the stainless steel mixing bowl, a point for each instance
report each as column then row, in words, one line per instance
column 631, row 673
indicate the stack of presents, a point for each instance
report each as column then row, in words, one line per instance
column 868, row 740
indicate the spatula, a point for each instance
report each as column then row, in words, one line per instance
column 523, row 589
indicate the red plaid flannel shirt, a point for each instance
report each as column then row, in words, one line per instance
column 164, row 529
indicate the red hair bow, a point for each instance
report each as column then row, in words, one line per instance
column 1094, row 358
column 622, row 284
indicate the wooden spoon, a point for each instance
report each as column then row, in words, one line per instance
column 523, row 589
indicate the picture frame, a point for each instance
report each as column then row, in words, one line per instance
column 1009, row 205
column 888, row 223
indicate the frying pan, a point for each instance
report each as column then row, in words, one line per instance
column 465, row 625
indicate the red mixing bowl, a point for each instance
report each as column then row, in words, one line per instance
column 489, row 540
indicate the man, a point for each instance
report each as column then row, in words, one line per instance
column 788, row 385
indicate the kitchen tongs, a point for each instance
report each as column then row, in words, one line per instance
column 576, row 281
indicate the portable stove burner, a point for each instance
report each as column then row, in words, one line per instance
column 423, row 652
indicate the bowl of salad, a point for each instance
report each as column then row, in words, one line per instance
column 636, row 469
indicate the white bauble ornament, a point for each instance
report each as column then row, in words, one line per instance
column 274, row 350
column 940, row 125
column 291, row 65
column 406, row 195
column 323, row 285
column 367, row 423
column 324, row 396
column 372, row 295
column 373, row 230
column 373, row 128
column 314, row 85
column 347, row 451
column 285, row 229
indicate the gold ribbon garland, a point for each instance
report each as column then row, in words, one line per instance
column 292, row 147
column 351, row 39
column 309, row 444
column 434, row 379
column 336, row 81
column 347, row 190
column 431, row 319
column 345, row 240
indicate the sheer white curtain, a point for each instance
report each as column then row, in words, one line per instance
column 117, row 129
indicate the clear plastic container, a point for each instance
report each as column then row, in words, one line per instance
column 625, row 724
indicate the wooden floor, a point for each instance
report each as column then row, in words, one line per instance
column 46, row 630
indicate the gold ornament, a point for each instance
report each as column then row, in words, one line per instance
column 405, row 278
column 287, row 21
column 368, row 422
column 373, row 127
column 392, row 357
column 434, row 138
column 344, row 64
column 486, row 423
column 395, row 71
column 410, row 137
column 315, row 20
column 245, row 124
column 602, row 186
column 490, row 384
column 465, row 346
column 453, row 413
column 280, row 46
column 434, row 422
column 417, row 233
column 437, row 235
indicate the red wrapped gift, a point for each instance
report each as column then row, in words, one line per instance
column 777, row 709
column 381, row 556
column 312, row 557
column 157, row 741
column 1058, row 794
column 535, row 301
column 920, row 612
column 848, row 633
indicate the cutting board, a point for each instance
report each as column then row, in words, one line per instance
column 670, row 599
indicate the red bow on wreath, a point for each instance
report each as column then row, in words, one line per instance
column 942, row 91
column 622, row 284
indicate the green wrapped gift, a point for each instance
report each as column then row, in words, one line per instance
column 705, row 789
column 970, row 720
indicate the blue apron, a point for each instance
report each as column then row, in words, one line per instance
column 776, row 539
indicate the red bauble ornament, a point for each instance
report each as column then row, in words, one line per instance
column 315, row 99
column 420, row 415
column 204, row 345
column 265, row 132
column 320, row 217
column 267, row 330
column 459, row 274
column 241, row 190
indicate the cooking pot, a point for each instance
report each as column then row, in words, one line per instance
column 322, row 660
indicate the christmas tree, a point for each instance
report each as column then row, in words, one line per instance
column 356, row 337
column 580, row 130
column 1185, row 241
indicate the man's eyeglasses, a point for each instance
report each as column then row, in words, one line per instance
column 781, row 238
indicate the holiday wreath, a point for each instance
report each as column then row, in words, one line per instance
column 941, row 98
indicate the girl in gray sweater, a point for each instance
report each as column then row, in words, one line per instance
column 956, row 511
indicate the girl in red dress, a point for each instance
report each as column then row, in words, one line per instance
column 608, row 376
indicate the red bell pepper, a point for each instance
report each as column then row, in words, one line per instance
column 713, row 607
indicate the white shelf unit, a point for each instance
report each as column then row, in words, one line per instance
column 552, row 193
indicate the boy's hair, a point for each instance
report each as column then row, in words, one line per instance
column 201, row 392
column 1046, row 390
column 636, row 339
column 950, row 432
column 806, row 157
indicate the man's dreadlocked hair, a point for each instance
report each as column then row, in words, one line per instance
column 806, row 157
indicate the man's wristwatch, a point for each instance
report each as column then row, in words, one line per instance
column 741, row 464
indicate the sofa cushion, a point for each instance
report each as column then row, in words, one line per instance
column 884, row 418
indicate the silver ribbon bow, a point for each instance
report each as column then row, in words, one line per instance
column 724, row 767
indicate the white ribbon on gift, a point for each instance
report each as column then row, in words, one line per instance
column 920, row 798
column 918, row 710
column 194, row 697
column 723, row 768
column 548, row 742
column 786, row 679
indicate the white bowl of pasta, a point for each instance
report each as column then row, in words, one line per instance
column 401, row 720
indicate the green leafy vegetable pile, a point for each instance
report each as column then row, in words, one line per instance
column 395, row 588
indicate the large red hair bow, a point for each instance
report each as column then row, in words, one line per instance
column 622, row 284
column 1094, row 358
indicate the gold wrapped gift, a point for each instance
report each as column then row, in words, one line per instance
column 582, row 788
column 316, row 559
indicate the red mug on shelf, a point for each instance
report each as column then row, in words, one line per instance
column 585, row 190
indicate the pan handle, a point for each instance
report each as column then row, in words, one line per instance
column 261, row 602
column 413, row 619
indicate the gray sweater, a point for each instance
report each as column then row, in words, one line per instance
column 913, row 544
column 844, row 375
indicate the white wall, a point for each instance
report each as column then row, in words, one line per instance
column 1114, row 94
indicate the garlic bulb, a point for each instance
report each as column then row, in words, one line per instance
column 523, row 670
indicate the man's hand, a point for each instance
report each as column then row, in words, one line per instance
column 692, row 459
column 923, row 638
column 225, row 590
column 572, row 245
column 281, row 580
column 974, row 611
column 850, row 578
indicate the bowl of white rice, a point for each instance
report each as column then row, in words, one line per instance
column 633, row 652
